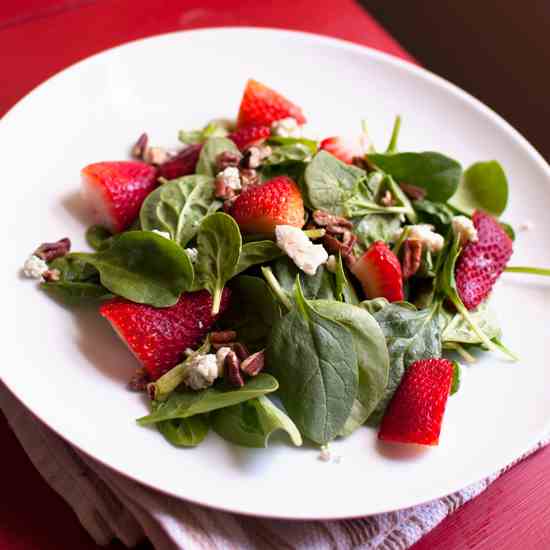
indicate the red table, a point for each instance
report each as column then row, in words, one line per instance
column 40, row 37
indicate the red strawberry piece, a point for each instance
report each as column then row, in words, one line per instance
column 260, row 208
column 249, row 136
column 342, row 148
column 182, row 164
column 415, row 413
column 481, row 263
column 261, row 106
column 158, row 337
column 115, row 191
column 379, row 272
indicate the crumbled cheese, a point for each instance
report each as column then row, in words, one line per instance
column 424, row 233
column 324, row 455
column 332, row 263
column 221, row 354
column 201, row 372
column 231, row 177
column 164, row 234
column 34, row 267
column 257, row 154
column 286, row 127
column 193, row 254
column 464, row 228
column 295, row 243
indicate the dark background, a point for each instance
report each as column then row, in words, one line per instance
column 497, row 50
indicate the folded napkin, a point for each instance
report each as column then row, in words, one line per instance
column 111, row 506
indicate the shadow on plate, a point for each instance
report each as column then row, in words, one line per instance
column 77, row 208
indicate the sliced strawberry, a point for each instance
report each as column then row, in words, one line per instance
column 379, row 272
column 260, row 208
column 344, row 149
column 158, row 337
column 482, row 262
column 415, row 413
column 182, row 164
column 261, row 106
column 115, row 191
column 249, row 136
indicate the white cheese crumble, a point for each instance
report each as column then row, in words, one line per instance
column 297, row 246
column 193, row 254
column 34, row 267
column 286, row 127
column 332, row 263
column 424, row 233
column 221, row 354
column 201, row 372
column 464, row 228
column 164, row 234
column 231, row 177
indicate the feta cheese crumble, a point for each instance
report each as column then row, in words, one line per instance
column 164, row 234
column 424, row 233
column 286, row 127
column 193, row 254
column 464, row 228
column 34, row 267
column 231, row 177
column 332, row 263
column 297, row 246
column 201, row 372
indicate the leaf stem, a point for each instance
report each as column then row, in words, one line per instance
column 276, row 287
column 216, row 300
column 455, row 346
column 392, row 147
column 402, row 238
column 167, row 383
column 530, row 270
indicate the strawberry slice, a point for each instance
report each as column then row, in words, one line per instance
column 481, row 263
column 182, row 164
column 415, row 413
column 260, row 208
column 158, row 337
column 249, row 136
column 379, row 272
column 115, row 191
column 344, row 149
column 261, row 106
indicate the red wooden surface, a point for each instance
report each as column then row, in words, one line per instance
column 40, row 37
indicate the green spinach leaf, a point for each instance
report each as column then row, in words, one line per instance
column 344, row 291
column 75, row 292
column 458, row 330
column 256, row 253
column 375, row 227
column 311, row 144
column 185, row 432
column 251, row 423
column 212, row 148
column 98, row 237
column 212, row 129
column 294, row 152
column 435, row 213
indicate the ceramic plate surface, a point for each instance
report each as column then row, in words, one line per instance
column 69, row 368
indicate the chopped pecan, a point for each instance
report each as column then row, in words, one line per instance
column 222, row 336
column 140, row 146
column 332, row 244
column 336, row 229
column 218, row 345
column 348, row 240
column 412, row 191
column 222, row 190
column 350, row 260
column 226, row 159
column 232, row 370
column 51, row 275
column 155, row 155
column 411, row 257
column 322, row 218
column 249, row 177
column 254, row 364
column 139, row 380
column 228, row 204
column 387, row 199
column 51, row 251
column 364, row 163
column 241, row 350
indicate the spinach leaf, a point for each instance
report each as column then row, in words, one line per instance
column 410, row 334
column 435, row 213
column 185, row 432
column 483, row 187
column 251, row 423
column 295, row 152
column 142, row 267
column 294, row 170
column 372, row 357
column 344, row 291
column 458, row 330
column 362, row 203
column 252, row 313
column 457, row 377
column 193, row 137
column 74, row 270
column 509, row 230
column 311, row 144
column 188, row 403
column 375, row 227
column 328, row 182
column 255, row 253
column 75, row 292
column 437, row 174
column 219, row 247
column 212, row 148
column 98, row 237
column 314, row 359
column 178, row 206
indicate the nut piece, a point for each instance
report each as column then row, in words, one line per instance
column 322, row 218
column 222, row 336
column 249, row 177
column 241, row 350
column 51, row 275
column 51, row 251
column 140, row 146
column 254, row 364
column 232, row 371
column 139, row 380
column 387, row 199
column 412, row 257
column 155, row 155
column 227, row 159
column 222, row 190
column 412, row 191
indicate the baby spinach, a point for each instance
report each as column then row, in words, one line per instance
column 252, row 422
column 372, row 357
column 185, row 432
column 188, row 403
column 328, row 182
column 314, row 359
column 142, row 267
column 375, row 227
column 437, row 174
column 361, row 203
column 311, row 144
column 178, row 206
column 483, row 187
column 75, row 292
column 255, row 253
column 344, row 291
column 435, row 213
column 212, row 129
column 293, row 152
column 98, row 237
column 212, row 148
column 458, row 330
column 219, row 247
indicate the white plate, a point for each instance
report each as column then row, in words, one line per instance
column 70, row 369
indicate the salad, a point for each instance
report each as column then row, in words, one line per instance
column 268, row 281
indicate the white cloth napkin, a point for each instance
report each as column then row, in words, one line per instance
column 111, row 506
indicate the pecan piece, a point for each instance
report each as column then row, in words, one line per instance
column 222, row 190
column 51, row 251
column 249, row 177
column 139, row 380
column 322, row 218
column 387, row 199
column 51, row 275
column 241, row 350
column 254, row 364
column 412, row 191
column 226, row 159
column 140, row 146
column 232, row 370
column 412, row 257
column 222, row 336
column 332, row 244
